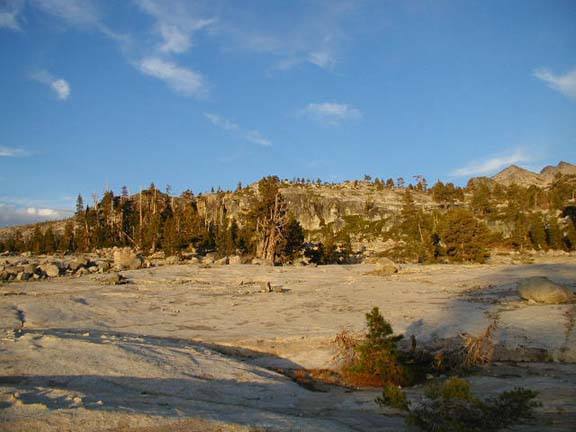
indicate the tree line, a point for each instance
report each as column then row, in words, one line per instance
column 464, row 225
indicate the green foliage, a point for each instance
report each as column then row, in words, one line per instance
column 464, row 237
column 293, row 240
column 373, row 359
column 393, row 396
column 451, row 407
column 452, row 388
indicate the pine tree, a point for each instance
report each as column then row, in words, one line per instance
column 464, row 237
column 79, row 205
column 537, row 232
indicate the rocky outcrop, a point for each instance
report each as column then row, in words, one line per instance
column 520, row 176
column 523, row 177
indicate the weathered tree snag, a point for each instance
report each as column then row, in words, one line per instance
column 270, row 229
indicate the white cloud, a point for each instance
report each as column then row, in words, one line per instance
column 62, row 88
column 253, row 136
column 75, row 12
column 323, row 59
column 83, row 14
column 180, row 79
column 331, row 113
column 221, row 122
column 176, row 22
column 257, row 138
column 9, row 12
column 18, row 211
column 12, row 152
column 492, row 165
column 313, row 34
column 58, row 85
column 565, row 84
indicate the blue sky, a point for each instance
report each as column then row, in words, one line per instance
column 195, row 93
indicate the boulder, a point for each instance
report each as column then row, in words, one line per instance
column 51, row 269
column 114, row 279
column 127, row 259
column 29, row 268
column 385, row 266
column 540, row 289
column 5, row 275
column 222, row 261
column 81, row 271
column 78, row 262
column 208, row 259
column 172, row 260
column 93, row 269
column 23, row 276
column 103, row 265
column 157, row 255
column 235, row 259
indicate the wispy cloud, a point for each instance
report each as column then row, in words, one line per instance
column 180, row 79
column 492, row 165
column 12, row 152
column 81, row 14
column 313, row 34
column 331, row 113
column 565, row 84
column 252, row 135
column 75, row 12
column 57, row 85
column 257, row 138
column 176, row 22
column 9, row 12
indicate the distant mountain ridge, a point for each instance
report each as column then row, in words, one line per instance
column 523, row 177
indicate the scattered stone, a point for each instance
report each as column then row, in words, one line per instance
column 23, row 276
column 540, row 289
column 104, row 266
column 266, row 286
column 77, row 263
column 384, row 267
column 30, row 268
column 81, row 271
column 235, row 259
column 51, row 270
column 93, row 269
column 127, row 259
column 222, row 261
column 172, row 260
column 160, row 255
column 114, row 279
column 208, row 259
column 277, row 289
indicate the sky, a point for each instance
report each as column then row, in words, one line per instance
column 97, row 94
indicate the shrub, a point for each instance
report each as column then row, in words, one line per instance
column 393, row 396
column 452, row 388
column 371, row 360
column 451, row 407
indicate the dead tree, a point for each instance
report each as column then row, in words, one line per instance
column 270, row 229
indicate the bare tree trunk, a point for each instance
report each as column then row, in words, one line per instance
column 271, row 231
